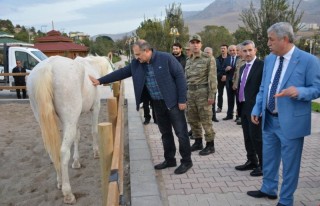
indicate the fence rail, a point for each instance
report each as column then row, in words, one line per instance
column 6, row 87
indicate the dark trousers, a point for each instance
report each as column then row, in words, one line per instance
column 221, row 85
column 238, row 104
column 168, row 118
column 24, row 92
column 252, row 134
column 146, row 109
column 231, row 98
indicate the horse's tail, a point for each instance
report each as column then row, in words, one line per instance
column 48, row 119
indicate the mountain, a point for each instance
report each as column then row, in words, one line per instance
column 227, row 13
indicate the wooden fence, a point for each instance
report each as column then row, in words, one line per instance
column 112, row 148
column 13, row 87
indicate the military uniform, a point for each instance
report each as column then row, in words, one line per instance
column 201, row 75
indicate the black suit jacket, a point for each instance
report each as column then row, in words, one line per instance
column 19, row 80
column 226, row 63
column 252, row 86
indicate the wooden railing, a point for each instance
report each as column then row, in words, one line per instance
column 112, row 148
column 13, row 87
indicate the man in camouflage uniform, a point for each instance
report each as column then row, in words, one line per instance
column 201, row 75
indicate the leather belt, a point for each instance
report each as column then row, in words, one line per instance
column 272, row 114
column 197, row 86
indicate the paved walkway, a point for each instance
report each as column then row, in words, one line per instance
column 213, row 179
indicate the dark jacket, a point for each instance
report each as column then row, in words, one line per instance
column 227, row 62
column 220, row 63
column 168, row 72
column 19, row 80
column 182, row 59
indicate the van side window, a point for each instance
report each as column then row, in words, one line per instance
column 27, row 60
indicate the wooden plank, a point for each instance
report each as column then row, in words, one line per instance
column 13, row 87
column 14, row 74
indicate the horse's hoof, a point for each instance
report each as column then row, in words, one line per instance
column 76, row 164
column 70, row 199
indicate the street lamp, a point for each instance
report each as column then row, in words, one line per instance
column 174, row 32
column 311, row 42
column 130, row 41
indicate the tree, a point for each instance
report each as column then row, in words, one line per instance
column 174, row 18
column 241, row 34
column 271, row 11
column 102, row 46
column 152, row 31
column 157, row 32
column 214, row 36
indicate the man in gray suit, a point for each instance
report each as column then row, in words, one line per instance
column 291, row 79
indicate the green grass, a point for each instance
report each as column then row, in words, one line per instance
column 315, row 106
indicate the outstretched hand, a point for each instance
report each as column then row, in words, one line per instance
column 94, row 81
column 289, row 92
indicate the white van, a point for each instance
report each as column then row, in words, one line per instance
column 11, row 52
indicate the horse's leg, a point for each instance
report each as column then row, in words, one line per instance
column 76, row 163
column 68, row 138
column 95, row 119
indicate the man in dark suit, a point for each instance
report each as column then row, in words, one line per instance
column 20, row 80
column 291, row 79
column 229, row 66
column 250, row 78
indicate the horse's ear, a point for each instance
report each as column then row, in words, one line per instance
column 110, row 56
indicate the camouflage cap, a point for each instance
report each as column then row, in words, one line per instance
column 187, row 46
column 195, row 37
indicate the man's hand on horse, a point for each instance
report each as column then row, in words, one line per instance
column 95, row 82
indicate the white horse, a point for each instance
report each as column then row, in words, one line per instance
column 60, row 90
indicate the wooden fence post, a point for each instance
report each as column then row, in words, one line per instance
column 106, row 153
column 116, row 89
column 112, row 108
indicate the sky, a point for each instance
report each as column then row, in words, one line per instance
column 89, row 16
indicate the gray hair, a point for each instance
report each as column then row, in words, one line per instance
column 282, row 29
column 208, row 48
column 246, row 42
column 142, row 44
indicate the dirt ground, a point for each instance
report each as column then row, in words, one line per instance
column 27, row 176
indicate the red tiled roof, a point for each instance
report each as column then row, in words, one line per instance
column 60, row 46
column 53, row 36
column 55, row 42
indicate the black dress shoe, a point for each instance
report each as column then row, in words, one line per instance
column 227, row 118
column 259, row 194
column 146, row 121
column 214, row 119
column 183, row 168
column 246, row 166
column 164, row 165
column 218, row 110
column 256, row 172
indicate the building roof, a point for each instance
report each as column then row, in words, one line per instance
column 55, row 42
column 8, row 39
column 60, row 46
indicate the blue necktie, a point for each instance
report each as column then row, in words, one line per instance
column 275, row 82
column 232, row 61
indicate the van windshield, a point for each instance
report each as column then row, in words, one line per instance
column 39, row 54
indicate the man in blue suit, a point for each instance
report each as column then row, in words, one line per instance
column 291, row 79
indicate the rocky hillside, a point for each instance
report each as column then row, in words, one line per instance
column 226, row 13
